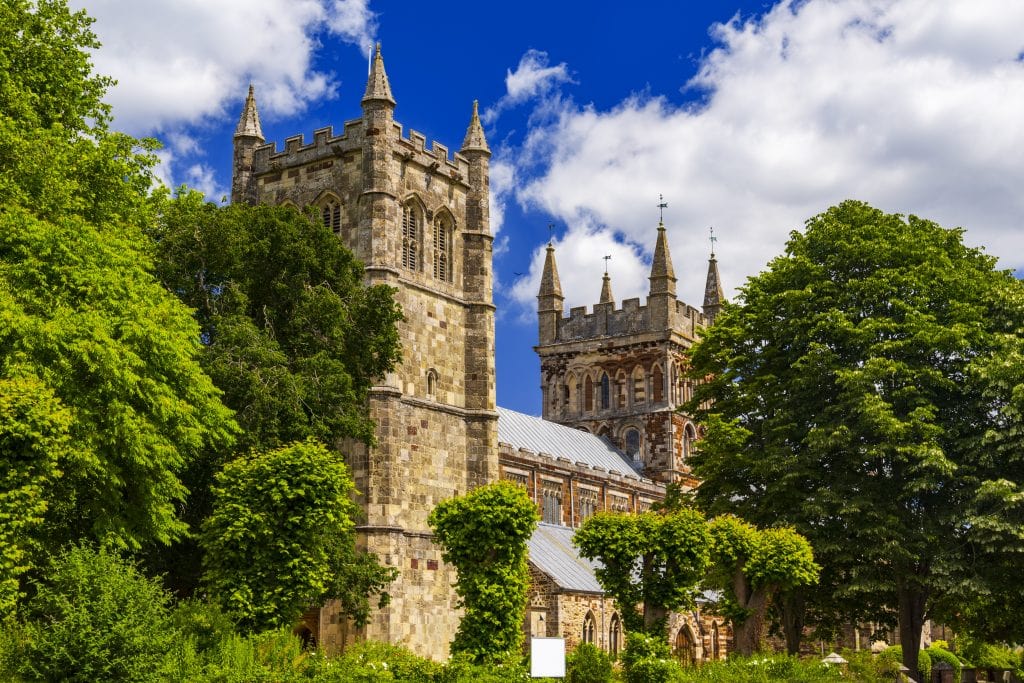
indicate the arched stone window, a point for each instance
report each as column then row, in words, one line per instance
column 715, row 651
column 633, row 443
column 684, row 646
column 551, row 502
column 614, row 634
column 657, row 385
column 330, row 213
column 443, row 236
column 689, row 436
column 620, row 385
column 589, row 628
column 638, row 386
column 412, row 221
column 571, row 394
column 588, row 394
column 431, row 383
column 606, row 392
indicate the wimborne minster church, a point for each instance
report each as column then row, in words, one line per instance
column 612, row 379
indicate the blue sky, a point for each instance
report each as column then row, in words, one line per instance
column 747, row 116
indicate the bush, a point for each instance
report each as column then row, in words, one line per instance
column 588, row 664
column 647, row 659
column 95, row 618
column 767, row 668
column 939, row 654
column 894, row 653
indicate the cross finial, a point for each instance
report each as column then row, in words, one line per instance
column 661, row 208
column 606, row 258
column 712, row 239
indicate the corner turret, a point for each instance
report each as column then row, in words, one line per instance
column 606, row 290
column 550, row 302
column 662, row 298
column 475, row 141
column 248, row 136
column 378, row 89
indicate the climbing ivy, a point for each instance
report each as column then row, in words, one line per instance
column 484, row 535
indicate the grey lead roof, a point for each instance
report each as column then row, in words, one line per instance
column 540, row 436
column 552, row 552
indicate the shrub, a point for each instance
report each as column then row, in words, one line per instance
column 95, row 618
column 588, row 664
column 894, row 653
column 647, row 659
column 940, row 654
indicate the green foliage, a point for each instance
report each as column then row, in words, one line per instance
column 765, row 669
column 588, row 664
column 291, row 334
column 651, row 560
column 274, row 656
column 282, row 537
column 894, row 654
column 939, row 654
column 484, row 535
column 85, row 330
column 647, row 659
column 95, row 618
column 867, row 391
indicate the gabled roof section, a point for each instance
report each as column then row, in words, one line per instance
column 540, row 436
column 551, row 551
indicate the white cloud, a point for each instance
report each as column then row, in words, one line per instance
column 182, row 63
column 532, row 78
column 579, row 256
column 203, row 178
column 911, row 105
column 353, row 21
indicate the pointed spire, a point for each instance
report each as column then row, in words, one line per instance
column 249, row 122
column 549, row 282
column 663, row 276
column 377, row 85
column 714, row 297
column 606, row 290
column 475, row 139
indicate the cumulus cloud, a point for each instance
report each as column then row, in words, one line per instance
column 180, row 64
column 913, row 106
column 533, row 78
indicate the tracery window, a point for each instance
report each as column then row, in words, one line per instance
column 443, row 248
column 606, row 392
column 589, row 628
column 551, row 502
column 411, row 222
column 614, row 635
column 588, row 503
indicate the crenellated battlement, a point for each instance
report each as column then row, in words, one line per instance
column 632, row 318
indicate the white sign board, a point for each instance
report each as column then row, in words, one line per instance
column 547, row 657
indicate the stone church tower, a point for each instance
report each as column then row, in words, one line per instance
column 418, row 219
column 618, row 373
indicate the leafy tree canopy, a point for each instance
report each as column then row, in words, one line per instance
column 867, row 390
column 282, row 537
column 652, row 561
column 484, row 534
column 107, row 401
column 292, row 336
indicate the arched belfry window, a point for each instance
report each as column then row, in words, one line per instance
column 443, row 236
column 330, row 213
column 606, row 392
column 412, row 221
column 638, row 386
column 588, row 394
column 657, row 385
column 689, row 436
column 431, row 383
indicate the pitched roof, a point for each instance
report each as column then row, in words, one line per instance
column 551, row 551
column 540, row 436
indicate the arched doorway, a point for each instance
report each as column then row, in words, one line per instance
column 684, row 650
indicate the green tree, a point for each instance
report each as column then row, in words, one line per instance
column 750, row 566
column 282, row 537
column 651, row 563
column 95, row 618
column 484, row 535
column 85, row 329
column 853, row 395
column 291, row 334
